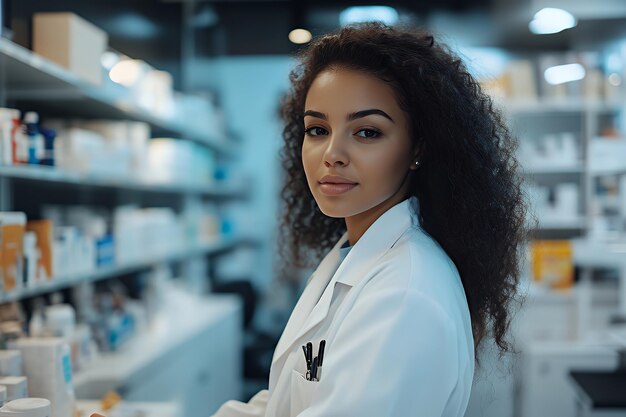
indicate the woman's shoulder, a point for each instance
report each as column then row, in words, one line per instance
column 416, row 260
column 416, row 264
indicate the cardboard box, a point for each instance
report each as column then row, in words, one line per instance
column 12, row 226
column 71, row 42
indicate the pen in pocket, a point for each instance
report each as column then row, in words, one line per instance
column 314, row 369
column 308, row 353
column 320, row 359
column 314, row 365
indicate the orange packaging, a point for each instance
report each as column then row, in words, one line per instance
column 552, row 263
column 44, row 231
column 12, row 225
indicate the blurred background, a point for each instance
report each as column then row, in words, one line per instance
column 140, row 180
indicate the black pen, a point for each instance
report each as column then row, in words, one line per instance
column 306, row 358
column 309, row 358
column 314, row 370
column 320, row 360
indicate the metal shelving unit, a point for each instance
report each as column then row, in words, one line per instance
column 37, row 83
column 31, row 82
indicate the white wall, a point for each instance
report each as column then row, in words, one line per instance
column 250, row 89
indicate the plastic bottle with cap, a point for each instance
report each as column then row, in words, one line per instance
column 26, row 407
column 36, row 144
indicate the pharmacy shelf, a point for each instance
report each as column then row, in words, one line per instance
column 548, row 108
column 590, row 253
column 37, row 173
column 36, row 83
column 61, row 282
column 562, row 224
column 597, row 172
column 554, row 169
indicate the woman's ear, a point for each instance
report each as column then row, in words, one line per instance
column 417, row 157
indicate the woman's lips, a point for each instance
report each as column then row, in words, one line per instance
column 330, row 188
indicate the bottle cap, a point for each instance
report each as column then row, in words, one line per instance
column 27, row 407
column 31, row 117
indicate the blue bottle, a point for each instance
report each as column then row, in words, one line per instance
column 35, row 139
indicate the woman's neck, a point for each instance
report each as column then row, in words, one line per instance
column 358, row 224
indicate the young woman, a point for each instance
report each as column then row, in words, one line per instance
column 396, row 161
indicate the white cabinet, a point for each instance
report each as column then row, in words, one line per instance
column 547, row 389
column 193, row 361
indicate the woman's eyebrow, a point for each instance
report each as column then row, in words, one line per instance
column 351, row 116
column 363, row 113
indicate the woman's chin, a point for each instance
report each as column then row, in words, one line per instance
column 336, row 210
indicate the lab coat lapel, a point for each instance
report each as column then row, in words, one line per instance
column 362, row 258
column 378, row 238
column 309, row 298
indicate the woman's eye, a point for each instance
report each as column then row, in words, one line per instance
column 315, row 131
column 368, row 133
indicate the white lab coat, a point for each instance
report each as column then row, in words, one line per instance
column 398, row 339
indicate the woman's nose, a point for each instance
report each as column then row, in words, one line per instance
column 335, row 153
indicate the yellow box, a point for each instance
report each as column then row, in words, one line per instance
column 552, row 263
column 72, row 42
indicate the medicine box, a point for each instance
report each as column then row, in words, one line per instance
column 12, row 226
column 71, row 42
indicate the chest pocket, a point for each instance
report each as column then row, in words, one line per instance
column 301, row 393
column 301, row 389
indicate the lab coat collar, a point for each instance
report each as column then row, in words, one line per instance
column 376, row 240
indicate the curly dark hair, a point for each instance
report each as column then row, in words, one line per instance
column 468, row 185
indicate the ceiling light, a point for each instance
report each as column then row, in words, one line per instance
column 359, row 14
column 300, row 36
column 551, row 20
column 564, row 73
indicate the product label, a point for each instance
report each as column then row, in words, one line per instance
column 67, row 368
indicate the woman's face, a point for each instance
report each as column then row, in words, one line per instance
column 356, row 132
